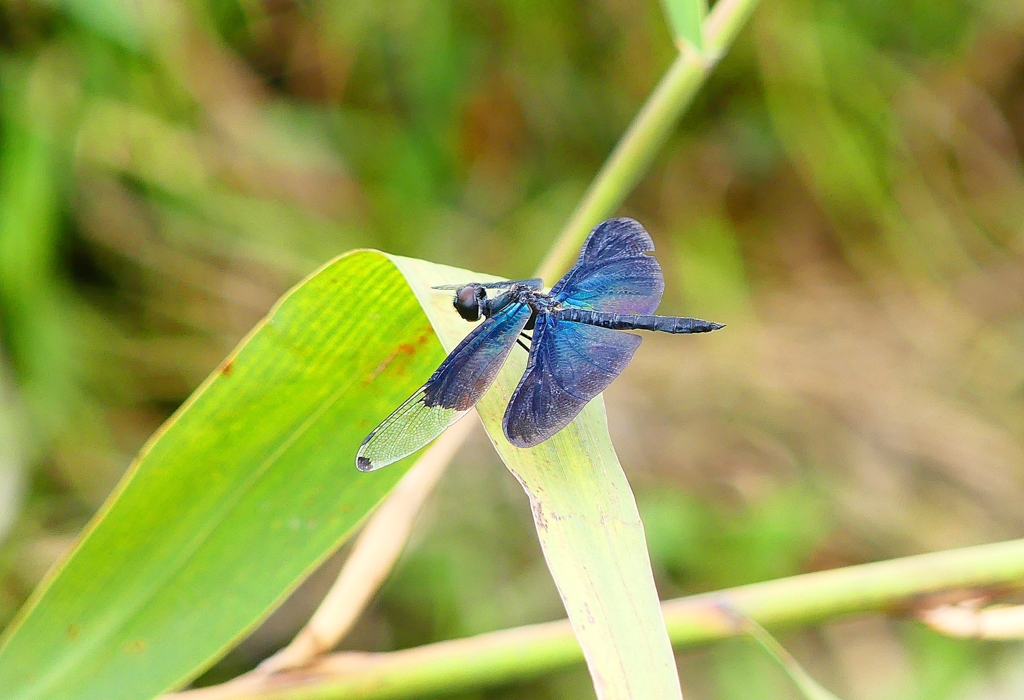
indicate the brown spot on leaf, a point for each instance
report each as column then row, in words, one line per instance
column 402, row 349
column 538, row 516
column 72, row 632
column 228, row 368
column 137, row 646
column 381, row 367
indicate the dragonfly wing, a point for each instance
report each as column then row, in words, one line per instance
column 613, row 273
column 410, row 427
column 450, row 392
column 570, row 363
column 532, row 283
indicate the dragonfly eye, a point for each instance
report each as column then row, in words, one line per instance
column 467, row 301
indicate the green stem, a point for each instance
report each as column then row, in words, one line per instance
column 529, row 652
column 647, row 134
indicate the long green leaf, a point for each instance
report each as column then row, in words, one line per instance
column 253, row 482
column 587, row 521
column 686, row 18
column 248, row 487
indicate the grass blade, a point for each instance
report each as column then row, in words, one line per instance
column 586, row 519
column 809, row 688
column 253, row 482
column 686, row 18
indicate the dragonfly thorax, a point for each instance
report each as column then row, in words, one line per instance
column 472, row 303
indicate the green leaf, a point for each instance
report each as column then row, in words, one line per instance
column 253, row 482
column 586, row 519
column 246, row 489
column 686, row 18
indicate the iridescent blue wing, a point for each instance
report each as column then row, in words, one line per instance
column 450, row 392
column 570, row 363
column 613, row 274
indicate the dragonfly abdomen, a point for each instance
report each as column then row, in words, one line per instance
column 630, row 322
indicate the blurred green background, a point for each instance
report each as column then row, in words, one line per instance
column 847, row 194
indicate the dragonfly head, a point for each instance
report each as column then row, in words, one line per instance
column 468, row 301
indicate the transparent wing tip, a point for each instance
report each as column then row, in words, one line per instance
column 372, row 464
column 364, row 463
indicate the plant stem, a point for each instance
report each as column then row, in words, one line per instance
column 528, row 652
column 647, row 134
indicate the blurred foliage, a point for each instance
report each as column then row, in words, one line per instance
column 847, row 195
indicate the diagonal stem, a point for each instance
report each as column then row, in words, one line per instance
column 373, row 556
column 647, row 134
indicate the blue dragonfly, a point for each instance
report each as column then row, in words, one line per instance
column 576, row 350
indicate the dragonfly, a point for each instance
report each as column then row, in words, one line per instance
column 576, row 349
